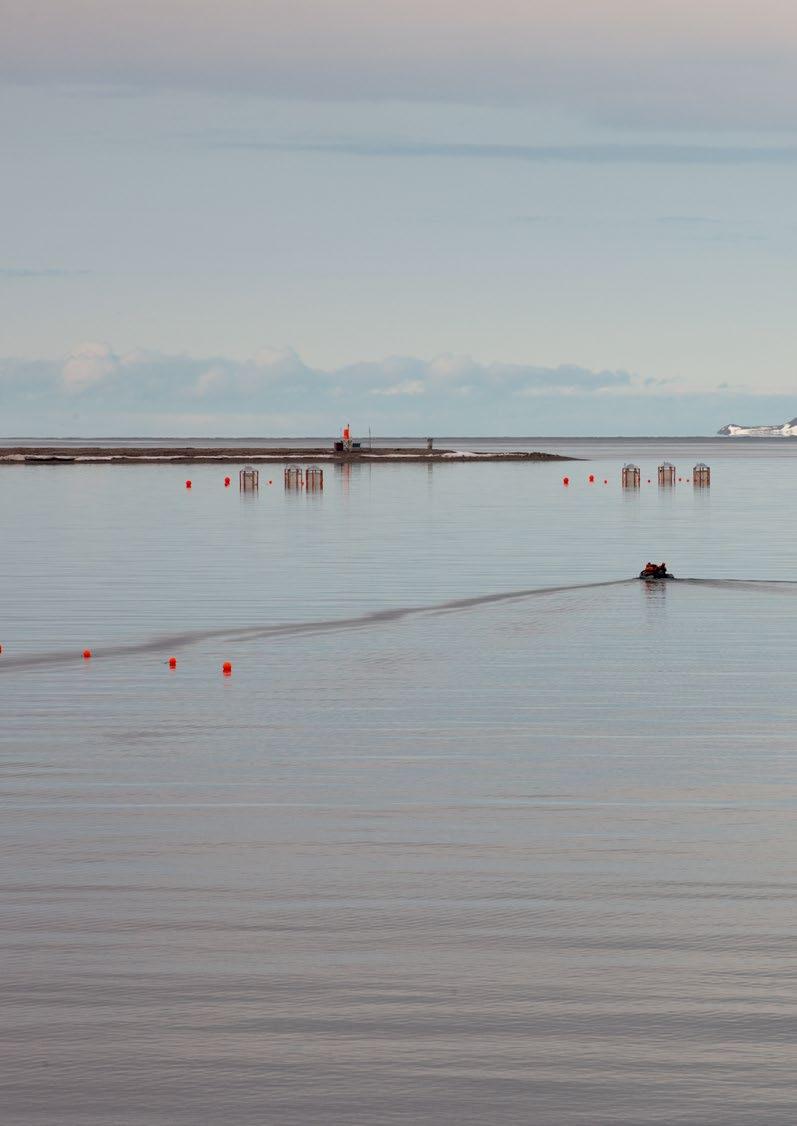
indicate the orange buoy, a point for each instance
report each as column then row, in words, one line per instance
column 86, row 654
column 172, row 662
column 226, row 482
column 226, row 668
column 188, row 484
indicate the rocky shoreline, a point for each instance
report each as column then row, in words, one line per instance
column 191, row 455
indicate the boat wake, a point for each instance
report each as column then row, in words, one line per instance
column 176, row 641
column 784, row 586
column 172, row 642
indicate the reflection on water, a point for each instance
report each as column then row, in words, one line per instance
column 655, row 595
column 445, row 847
column 344, row 470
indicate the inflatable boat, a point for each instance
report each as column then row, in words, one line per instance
column 655, row 572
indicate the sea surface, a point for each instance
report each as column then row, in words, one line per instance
column 480, row 829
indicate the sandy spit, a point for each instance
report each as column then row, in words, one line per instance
column 159, row 455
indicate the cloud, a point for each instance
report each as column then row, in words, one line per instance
column 97, row 390
column 408, row 387
column 212, row 381
column 279, row 380
column 657, row 154
column 687, row 220
column 607, row 58
column 18, row 273
column 277, row 360
column 87, row 365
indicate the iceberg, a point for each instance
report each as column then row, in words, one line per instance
column 787, row 430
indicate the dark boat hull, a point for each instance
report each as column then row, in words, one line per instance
column 655, row 578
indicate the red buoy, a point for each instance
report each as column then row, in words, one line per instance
column 591, row 478
column 172, row 662
column 226, row 668
column 565, row 480
column 188, row 484
column 605, row 481
column 226, row 482
column 86, row 654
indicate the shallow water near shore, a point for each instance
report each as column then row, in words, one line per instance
column 480, row 829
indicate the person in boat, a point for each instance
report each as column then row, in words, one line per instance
column 655, row 570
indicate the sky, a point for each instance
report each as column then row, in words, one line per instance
column 266, row 217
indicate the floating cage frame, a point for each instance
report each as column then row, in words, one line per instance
column 631, row 476
column 248, row 478
column 701, row 475
column 666, row 473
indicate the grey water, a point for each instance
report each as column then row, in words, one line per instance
column 481, row 829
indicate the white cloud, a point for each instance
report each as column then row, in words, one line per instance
column 408, row 387
column 278, row 358
column 277, row 380
column 451, row 367
column 152, row 393
column 88, row 364
column 274, row 392
column 276, row 375
column 212, row 381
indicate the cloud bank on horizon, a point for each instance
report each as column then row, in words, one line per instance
column 275, row 391
column 95, row 380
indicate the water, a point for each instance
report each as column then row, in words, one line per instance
column 429, row 855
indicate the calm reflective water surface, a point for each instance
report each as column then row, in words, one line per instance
column 429, row 854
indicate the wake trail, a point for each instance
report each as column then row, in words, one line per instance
column 784, row 586
column 176, row 641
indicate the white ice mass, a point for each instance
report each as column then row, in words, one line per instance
column 787, row 430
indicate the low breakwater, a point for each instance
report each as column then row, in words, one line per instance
column 153, row 455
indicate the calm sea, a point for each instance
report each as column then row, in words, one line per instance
column 480, row 829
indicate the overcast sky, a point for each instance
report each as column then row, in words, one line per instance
column 270, row 217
